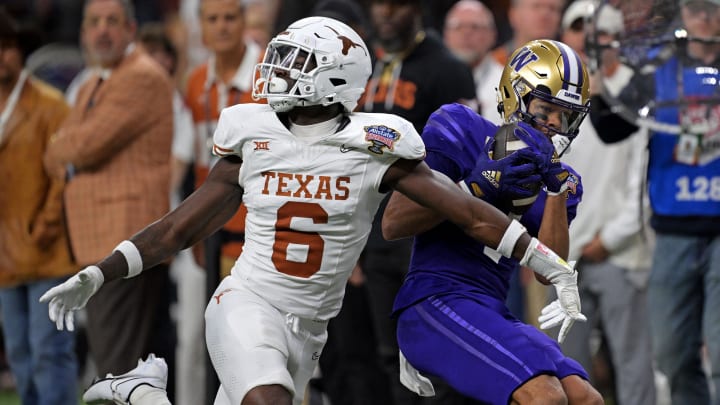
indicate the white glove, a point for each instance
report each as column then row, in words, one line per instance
column 566, row 309
column 72, row 295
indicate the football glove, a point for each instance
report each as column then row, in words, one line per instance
column 72, row 295
column 565, row 311
column 499, row 181
column 554, row 176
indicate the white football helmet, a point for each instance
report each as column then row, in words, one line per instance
column 315, row 61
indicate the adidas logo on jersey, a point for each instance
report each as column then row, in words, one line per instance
column 493, row 176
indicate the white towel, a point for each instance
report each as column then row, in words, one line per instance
column 413, row 380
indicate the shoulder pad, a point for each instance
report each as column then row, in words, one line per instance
column 457, row 131
column 386, row 135
column 234, row 124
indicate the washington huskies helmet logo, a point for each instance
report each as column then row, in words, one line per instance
column 381, row 136
column 522, row 58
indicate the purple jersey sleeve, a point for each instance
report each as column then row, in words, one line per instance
column 454, row 136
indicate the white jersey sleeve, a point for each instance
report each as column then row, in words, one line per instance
column 230, row 133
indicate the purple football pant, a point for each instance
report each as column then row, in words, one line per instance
column 478, row 347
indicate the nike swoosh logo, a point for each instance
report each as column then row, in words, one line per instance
column 344, row 149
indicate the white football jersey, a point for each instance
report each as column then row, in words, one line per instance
column 310, row 205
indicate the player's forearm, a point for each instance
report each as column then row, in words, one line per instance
column 474, row 216
column 404, row 218
column 554, row 226
column 146, row 249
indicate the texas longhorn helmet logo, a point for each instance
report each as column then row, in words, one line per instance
column 347, row 42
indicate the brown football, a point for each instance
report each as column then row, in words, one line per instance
column 506, row 142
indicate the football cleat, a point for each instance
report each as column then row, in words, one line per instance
column 152, row 372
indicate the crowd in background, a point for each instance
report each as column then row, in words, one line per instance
column 203, row 53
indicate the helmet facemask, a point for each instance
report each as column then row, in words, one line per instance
column 571, row 116
column 283, row 63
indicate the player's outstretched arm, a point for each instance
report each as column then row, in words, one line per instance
column 201, row 214
column 436, row 191
column 490, row 226
column 403, row 217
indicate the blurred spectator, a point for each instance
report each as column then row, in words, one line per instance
column 34, row 252
column 157, row 44
column 260, row 19
column 414, row 74
column 573, row 25
column 608, row 238
column 56, row 64
column 225, row 79
column 682, row 177
column 195, row 50
column 470, row 33
column 114, row 152
column 530, row 19
column 184, row 270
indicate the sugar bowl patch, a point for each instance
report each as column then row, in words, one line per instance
column 380, row 136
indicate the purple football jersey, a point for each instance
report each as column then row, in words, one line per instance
column 445, row 258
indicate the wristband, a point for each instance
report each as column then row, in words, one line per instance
column 563, row 189
column 132, row 257
column 545, row 262
column 507, row 244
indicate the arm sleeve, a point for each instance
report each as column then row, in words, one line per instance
column 610, row 126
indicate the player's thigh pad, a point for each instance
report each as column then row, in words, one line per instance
column 252, row 343
column 478, row 347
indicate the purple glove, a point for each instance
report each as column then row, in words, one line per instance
column 500, row 181
column 554, row 176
